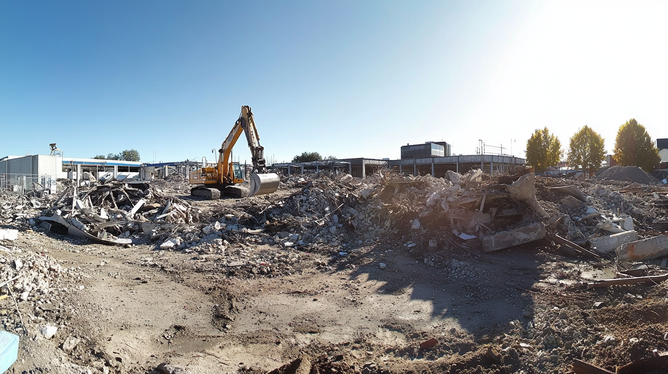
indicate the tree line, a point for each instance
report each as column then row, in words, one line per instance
column 633, row 147
column 127, row 155
column 312, row 156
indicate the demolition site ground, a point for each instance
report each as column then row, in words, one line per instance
column 333, row 274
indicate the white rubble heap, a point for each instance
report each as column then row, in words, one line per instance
column 33, row 280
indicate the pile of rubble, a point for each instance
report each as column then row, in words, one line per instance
column 115, row 212
column 16, row 210
column 334, row 214
column 350, row 212
column 468, row 211
column 36, row 283
column 632, row 174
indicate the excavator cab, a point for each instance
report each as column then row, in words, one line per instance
column 238, row 172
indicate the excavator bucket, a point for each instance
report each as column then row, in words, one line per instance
column 261, row 184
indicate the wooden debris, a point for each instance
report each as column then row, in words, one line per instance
column 583, row 251
column 623, row 281
column 637, row 367
column 581, row 367
column 644, row 366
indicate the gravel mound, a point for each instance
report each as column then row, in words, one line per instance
column 626, row 174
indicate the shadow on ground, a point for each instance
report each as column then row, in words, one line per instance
column 482, row 293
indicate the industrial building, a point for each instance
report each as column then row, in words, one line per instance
column 417, row 159
column 289, row 168
column 662, row 146
column 18, row 173
column 162, row 170
column 436, row 166
column 428, row 149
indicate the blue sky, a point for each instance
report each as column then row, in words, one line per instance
column 342, row 78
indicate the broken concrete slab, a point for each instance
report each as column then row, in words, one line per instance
column 169, row 244
column 608, row 244
column 511, row 238
column 610, row 226
column 524, row 189
column 571, row 202
column 73, row 230
column 628, row 224
column 9, row 234
column 645, row 249
column 591, row 213
column 570, row 190
column 453, row 177
column 136, row 207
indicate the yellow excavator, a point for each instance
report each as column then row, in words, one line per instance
column 226, row 177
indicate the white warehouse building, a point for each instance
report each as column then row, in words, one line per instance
column 18, row 173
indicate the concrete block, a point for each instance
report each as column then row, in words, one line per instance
column 608, row 244
column 644, row 249
column 9, row 234
column 524, row 190
column 507, row 239
column 571, row 202
column 627, row 224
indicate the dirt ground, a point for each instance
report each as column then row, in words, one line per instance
column 381, row 307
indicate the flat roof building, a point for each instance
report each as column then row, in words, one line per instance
column 428, row 149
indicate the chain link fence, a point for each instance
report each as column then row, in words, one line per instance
column 22, row 183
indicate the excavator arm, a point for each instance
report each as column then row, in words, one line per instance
column 245, row 124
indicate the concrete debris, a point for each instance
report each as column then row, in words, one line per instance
column 608, row 244
column 9, row 234
column 70, row 344
column 571, row 202
column 48, row 331
column 632, row 174
column 338, row 213
column 571, row 191
column 165, row 368
column 116, row 212
column 644, row 249
column 524, row 189
column 36, row 282
column 507, row 239
column 465, row 236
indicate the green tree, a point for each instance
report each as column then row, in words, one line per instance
column 586, row 149
column 543, row 150
column 307, row 156
column 129, row 155
column 634, row 147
